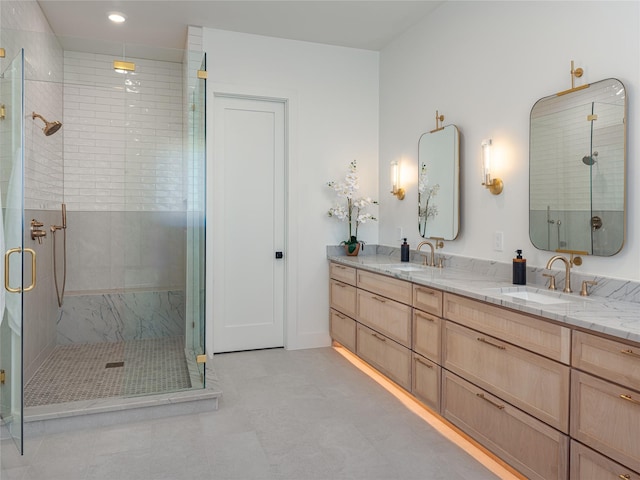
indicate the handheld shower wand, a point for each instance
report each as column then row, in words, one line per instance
column 63, row 227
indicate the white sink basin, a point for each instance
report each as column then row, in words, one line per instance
column 533, row 295
column 407, row 268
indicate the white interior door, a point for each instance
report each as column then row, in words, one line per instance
column 249, row 223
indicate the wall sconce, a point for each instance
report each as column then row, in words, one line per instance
column 123, row 67
column 395, row 180
column 493, row 184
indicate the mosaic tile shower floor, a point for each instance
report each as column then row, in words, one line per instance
column 80, row 372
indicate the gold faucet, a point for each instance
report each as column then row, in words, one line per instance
column 567, row 265
column 432, row 263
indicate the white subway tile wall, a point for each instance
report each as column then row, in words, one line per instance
column 123, row 135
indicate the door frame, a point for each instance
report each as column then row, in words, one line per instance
column 289, row 99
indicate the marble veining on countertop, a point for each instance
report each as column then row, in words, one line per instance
column 490, row 282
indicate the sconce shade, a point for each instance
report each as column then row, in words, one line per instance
column 494, row 185
column 395, row 180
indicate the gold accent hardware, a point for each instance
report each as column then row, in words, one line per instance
column 498, row 406
column 591, row 118
column 439, row 243
column 624, row 476
column 484, row 340
column 439, row 118
column 2, row 52
column 422, row 315
column 37, row 232
column 340, row 316
column 584, row 292
column 567, row 264
column 629, row 398
column 428, row 292
column 630, row 352
column 422, row 362
column 338, row 284
column 494, row 185
column 2, row 377
column 341, row 267
column 382, row 339
column 432, row 262
column 3, row 112
column 202, row 74
column 575, row 73
column 552, row 280
column 119, row 65
column 201, row 359
column 381, row 300
column 7, row 286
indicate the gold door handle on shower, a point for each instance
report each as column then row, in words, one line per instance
column 7, row 285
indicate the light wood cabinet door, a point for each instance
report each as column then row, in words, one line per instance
column 425, row 378
column 533, row 383
column 389, row 287
column 427, row 299
column 426, row 335
column 615, row 361
column 589, row 465
column 343, row 329
column 530, row 446
column 342, row 273
column 532, row 333
column 391, row 318
column 391, row 358
column 342, row 297
column 606, row 417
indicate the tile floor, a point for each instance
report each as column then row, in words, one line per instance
column 305, row 414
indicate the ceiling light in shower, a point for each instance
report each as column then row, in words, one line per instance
column 117, row 17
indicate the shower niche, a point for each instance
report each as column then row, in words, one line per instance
column 577, row 158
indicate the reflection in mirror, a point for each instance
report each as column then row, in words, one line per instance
column 577, row 170
column 438, row 183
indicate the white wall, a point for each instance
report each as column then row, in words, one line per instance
column 483, row 65
column 333, row 93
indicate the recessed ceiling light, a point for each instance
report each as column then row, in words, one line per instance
column 117, row 17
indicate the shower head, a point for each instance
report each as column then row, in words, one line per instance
column 590, row 160
column 49, row 127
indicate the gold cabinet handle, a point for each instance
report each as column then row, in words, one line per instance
column 338, row 284
column 422, row 315
column 382, row 339
column 624, row 476
column 631, row 353
column 419, row 360
column 428, row 292
column 381, row 300
column 484, row 340
column 341, row 267
column 629, row 398
column 7, row 284
column 498, row 406
column 340, row 316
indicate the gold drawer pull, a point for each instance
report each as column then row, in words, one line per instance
column 422, row 315
column 629, row 398
column 428, row 292
column 624, row 476
column 419, row 360
column 630, row 352
column 382, row 339
column 338, row 284
column 341, row 267
column 481, row 395
column 340, row 316
column 381, row 300
column 484, row 340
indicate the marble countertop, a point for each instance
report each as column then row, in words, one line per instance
column 600, row 314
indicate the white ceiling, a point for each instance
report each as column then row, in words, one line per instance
column 366, row 24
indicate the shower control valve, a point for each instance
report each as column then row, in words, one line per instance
column 37, row 232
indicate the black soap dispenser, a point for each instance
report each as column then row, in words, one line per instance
column 404, row 251
column 519, row 269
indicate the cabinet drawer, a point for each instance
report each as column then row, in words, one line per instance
column 426, row 335
column 342, row 297
column 386, row 286
column 589, row 465
column 427, row 299
column 343, row 273
column 606, row 417
column 391, row 358
column 425, row 378
column 533, row 383
column 615, row 361
column 528, row 332
column 388, row 317
column 343, row 329
column 531, row 447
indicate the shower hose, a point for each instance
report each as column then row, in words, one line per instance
column 60, row 293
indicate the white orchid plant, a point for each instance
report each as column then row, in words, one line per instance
column 426, row 208
column 353, row 210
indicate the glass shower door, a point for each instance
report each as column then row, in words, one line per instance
column 12, row 238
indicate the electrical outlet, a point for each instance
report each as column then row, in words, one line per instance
column 498, row 241
column 399, row 234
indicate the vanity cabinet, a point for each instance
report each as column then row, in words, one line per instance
column 343, row 329
column 342, row 300
column 391, row 318
column 426, row 380
column 589, row 465
column 427, row 300
column 343, row 273
column 426, row 369
column 342, row 297
column 529, row 445
column 388, row 287
column 386, row 355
